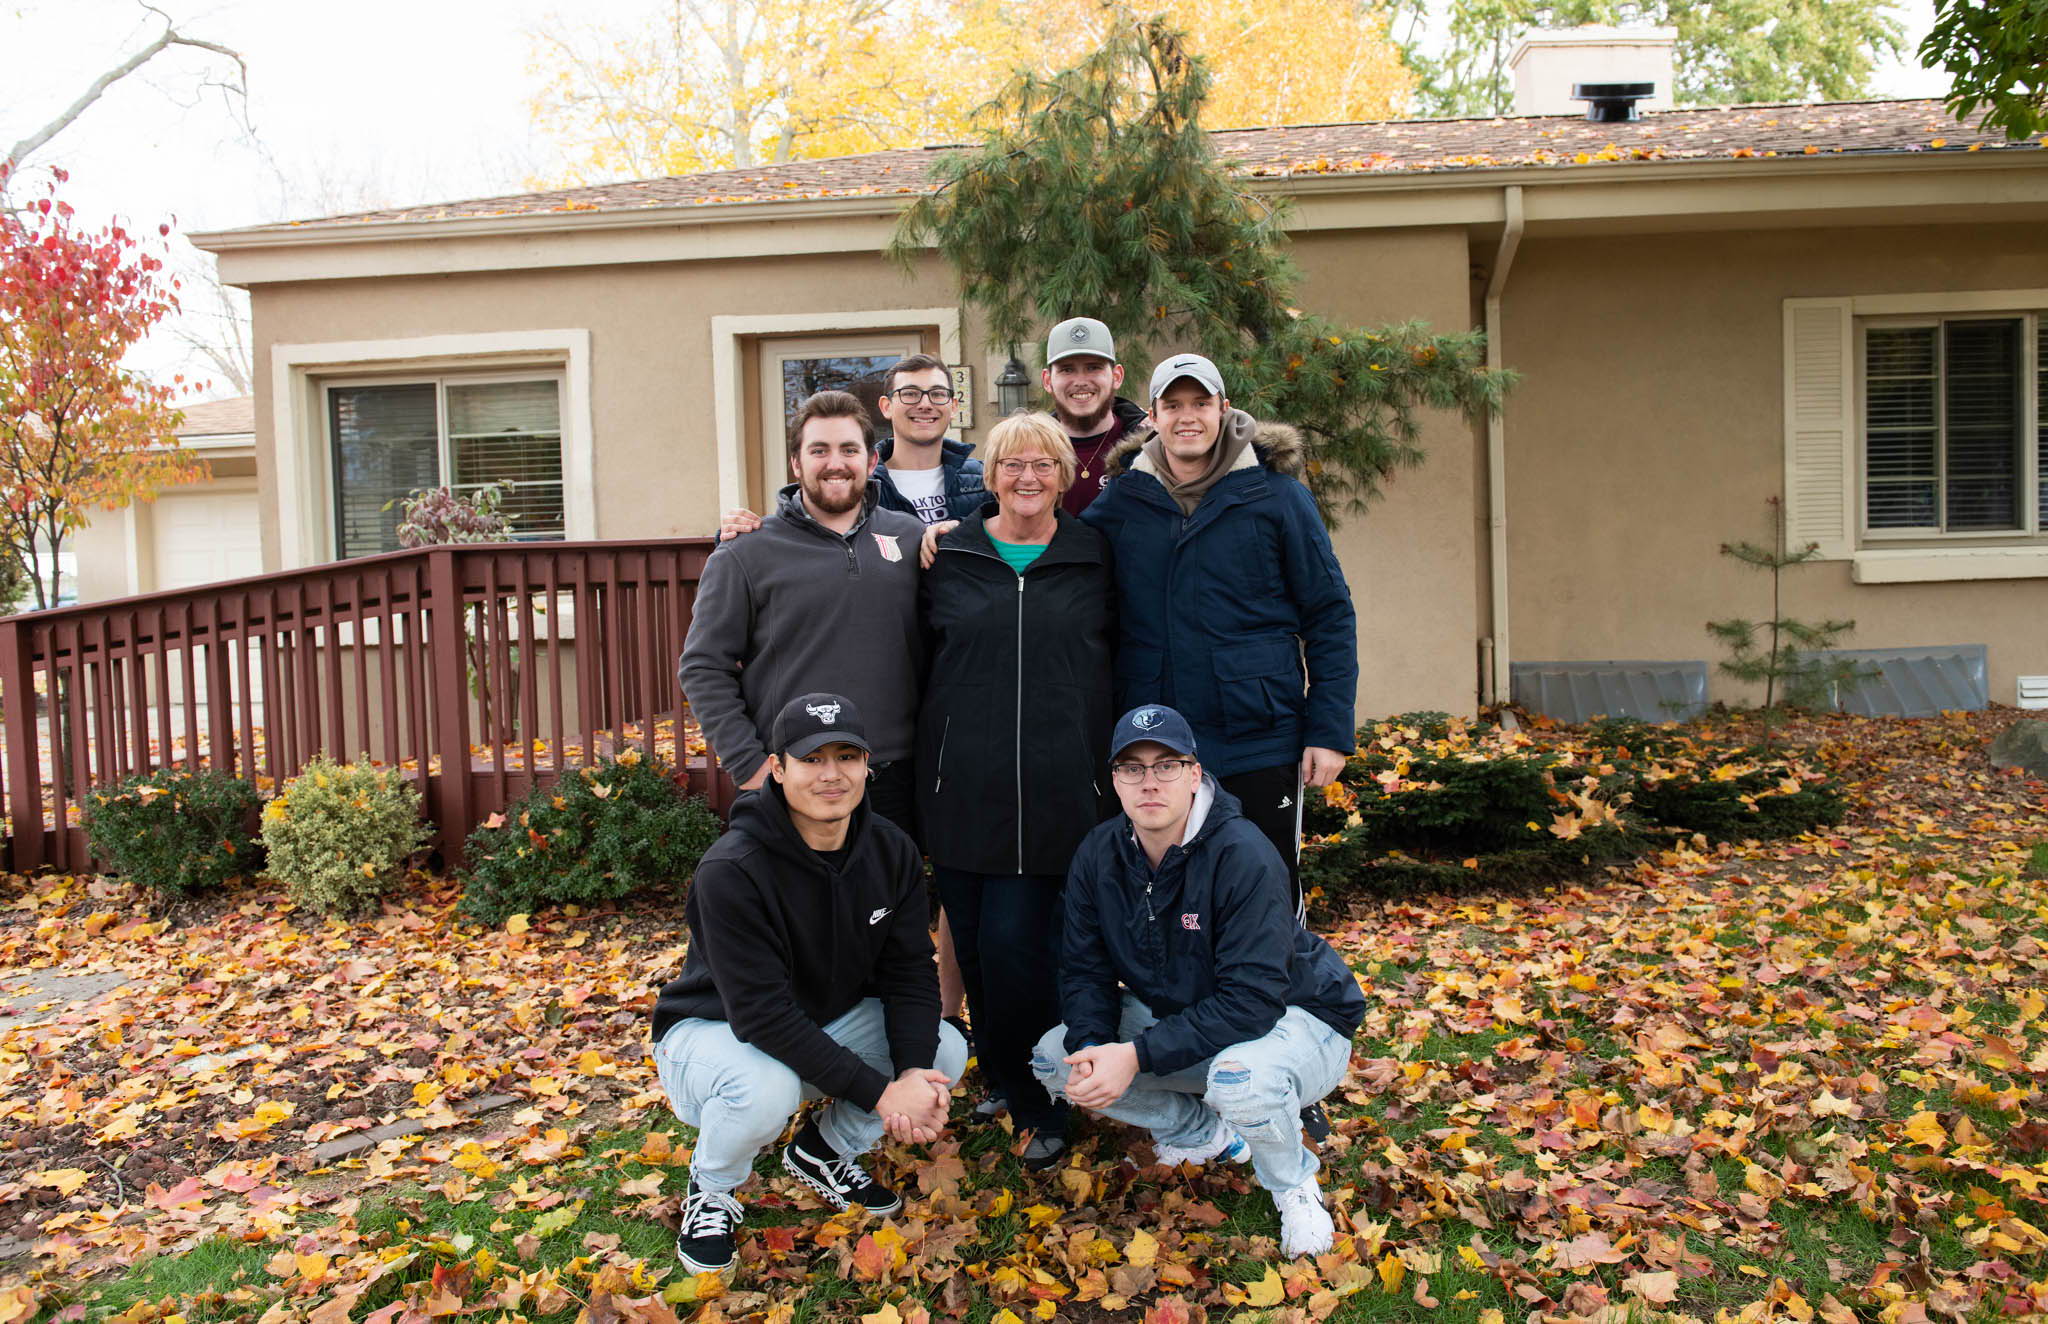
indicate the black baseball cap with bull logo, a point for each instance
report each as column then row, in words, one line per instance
column 809, row 722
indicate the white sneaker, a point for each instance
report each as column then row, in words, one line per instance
column 1223, row 1143
column 1305, row 1226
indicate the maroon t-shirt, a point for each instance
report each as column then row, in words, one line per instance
column 1091, row 458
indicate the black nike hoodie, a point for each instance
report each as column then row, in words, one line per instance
column 782, row 942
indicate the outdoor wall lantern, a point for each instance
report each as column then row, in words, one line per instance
column 1013, row 387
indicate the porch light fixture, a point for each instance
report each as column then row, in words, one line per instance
column 1013, row 387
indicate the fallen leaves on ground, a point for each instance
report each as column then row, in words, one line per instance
column 1743, row 1082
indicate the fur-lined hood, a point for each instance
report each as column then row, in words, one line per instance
column 1279, row 446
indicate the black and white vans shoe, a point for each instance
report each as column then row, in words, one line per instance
column 704, row 1244
column 838, row 1179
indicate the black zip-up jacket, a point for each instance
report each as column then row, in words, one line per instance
column 1208, row 941
column 782, row 943
column 794, row 608
column 1016, row 719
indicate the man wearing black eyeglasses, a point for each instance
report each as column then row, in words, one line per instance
column 1196, row 1004
column 923, row 473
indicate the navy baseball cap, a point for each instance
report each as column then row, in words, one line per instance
column 811, row 721
column 1154, row 722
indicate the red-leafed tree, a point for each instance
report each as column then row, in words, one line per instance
column 79, row 432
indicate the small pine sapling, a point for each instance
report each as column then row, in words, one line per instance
column 1778, row 653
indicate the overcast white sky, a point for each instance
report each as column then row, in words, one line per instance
column 371, row 102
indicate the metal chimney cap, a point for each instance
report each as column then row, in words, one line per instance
column 1612, row 103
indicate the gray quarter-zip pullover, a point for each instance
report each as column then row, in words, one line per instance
column 793, row 608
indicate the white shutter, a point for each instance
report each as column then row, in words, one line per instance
column 1820, row 426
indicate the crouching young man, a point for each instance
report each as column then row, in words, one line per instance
column 1196, row 1005
column 809, row 975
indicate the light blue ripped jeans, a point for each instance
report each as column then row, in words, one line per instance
column 1258, row 1087
column 739, row 1098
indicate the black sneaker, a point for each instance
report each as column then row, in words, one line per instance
column 704, row 1244
column 840, row 1180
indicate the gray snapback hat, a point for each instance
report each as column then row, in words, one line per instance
column 1079, row 335
column 1192, row 366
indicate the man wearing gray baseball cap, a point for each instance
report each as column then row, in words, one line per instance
column 1082, row 376
column 1231, row 605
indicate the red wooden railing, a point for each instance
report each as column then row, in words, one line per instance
column 480, row 670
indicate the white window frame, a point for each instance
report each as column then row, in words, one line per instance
column 303, row 458
column 2030, row 476
column 444, row 445
column 1824, row 442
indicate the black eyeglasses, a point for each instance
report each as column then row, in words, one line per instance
column 1166, row 770
column 910, row 395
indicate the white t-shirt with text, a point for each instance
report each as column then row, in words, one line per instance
column 924, row 489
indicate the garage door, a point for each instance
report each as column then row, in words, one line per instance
column 206, row 536
column 202, row 537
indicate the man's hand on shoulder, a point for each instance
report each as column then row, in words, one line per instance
column 1101, row 1074
column 1319, row 766
column 913, row 1107
column 735, row 522
column 928, row 550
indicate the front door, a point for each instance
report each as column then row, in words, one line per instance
column 793, row 368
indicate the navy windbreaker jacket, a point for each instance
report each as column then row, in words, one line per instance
column 1218, row 611
column 964, row 480
column 1208, row 941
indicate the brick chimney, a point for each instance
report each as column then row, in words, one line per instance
column 1546, row 65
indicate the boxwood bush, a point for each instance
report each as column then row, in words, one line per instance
column 175, row 831
column 597, row 834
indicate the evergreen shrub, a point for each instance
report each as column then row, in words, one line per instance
column 1430, row 803
column 595, row 835
column 340, row 834
column 175, row 831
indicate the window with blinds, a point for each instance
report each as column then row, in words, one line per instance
column 1945, row 413
column 391, row 440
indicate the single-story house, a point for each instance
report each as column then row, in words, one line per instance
column 194, row 533
column 1837, row 304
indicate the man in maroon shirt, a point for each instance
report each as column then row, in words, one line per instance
column 1082, row 376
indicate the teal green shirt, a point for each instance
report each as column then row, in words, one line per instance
column 1018, row 555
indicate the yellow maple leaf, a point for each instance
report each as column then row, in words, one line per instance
column 1925, row 1128
column 518, row 923
column 1142, row 1249
column 888, row 1314
column 63, row 1180
column 1392, row 1271
column 1267, row 1292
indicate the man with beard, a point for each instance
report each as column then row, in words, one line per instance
column 1082, row 376
column 822, row 597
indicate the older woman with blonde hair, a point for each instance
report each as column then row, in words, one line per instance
column 1020, row 605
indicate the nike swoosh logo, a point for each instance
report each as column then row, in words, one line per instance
column 878, row 916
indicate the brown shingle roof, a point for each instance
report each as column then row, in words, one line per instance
column 219, row 418
column 1383, row 147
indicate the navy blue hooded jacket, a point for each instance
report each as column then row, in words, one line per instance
column 1208, row 941
column 1218, row 610
column 965, row 490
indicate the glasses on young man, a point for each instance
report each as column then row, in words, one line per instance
column 911, row 395
column 1166, row 770
column 1016, row 468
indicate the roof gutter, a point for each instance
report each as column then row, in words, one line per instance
column 1499, row 652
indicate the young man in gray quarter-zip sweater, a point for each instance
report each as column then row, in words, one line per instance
column 822, row 597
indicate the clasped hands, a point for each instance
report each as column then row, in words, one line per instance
column 1101, row 1074
column 913, row 1106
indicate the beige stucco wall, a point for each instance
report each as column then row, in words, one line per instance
column 651, row 371
column 1411, row 563
column 1648, row 430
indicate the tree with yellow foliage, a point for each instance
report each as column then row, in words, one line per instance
column 733, row 83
